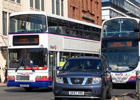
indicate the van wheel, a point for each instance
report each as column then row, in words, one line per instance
column 28, row 89
column 58, row 98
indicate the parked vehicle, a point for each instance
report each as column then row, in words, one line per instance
column 84, row 77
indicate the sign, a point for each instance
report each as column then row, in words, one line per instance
column 26, row 40
column 120, row 44
column 53, row 47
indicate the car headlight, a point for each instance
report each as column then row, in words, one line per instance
column 96, row 80
column 59, row 80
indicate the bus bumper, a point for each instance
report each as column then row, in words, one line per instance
column 11, row 83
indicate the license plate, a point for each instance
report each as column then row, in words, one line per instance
column 24, row 85
column 76, row 92
column 119, row 82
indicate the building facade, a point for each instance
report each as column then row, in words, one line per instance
column 116, row 8
column 84, row 10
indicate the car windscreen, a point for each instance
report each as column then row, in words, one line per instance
column 83, row 65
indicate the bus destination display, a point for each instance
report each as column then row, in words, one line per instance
column 120, row 44
column 26, row 40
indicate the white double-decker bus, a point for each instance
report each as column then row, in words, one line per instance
column 121, row 47
column 38, row 42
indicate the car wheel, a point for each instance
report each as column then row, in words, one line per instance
column 58, row 98
column 28, row 89
column 104, row 95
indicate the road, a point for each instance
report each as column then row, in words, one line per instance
column 15, row 93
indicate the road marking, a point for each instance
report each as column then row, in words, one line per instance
column 112, row 98
column 116, row 98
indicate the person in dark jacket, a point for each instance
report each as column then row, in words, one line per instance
column 5, row 74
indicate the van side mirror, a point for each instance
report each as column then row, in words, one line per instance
column 58, row 68
column 136, row 28
column 137, row 36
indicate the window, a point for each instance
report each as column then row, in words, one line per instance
column 97, row 20
column 52, row 25
column 12, row 0
column 53, row 10
column 97, row 5
column 62, row 10
column 86, row 4
column 63, row 27
column 82, row 4
column 37, row 4
column 31, row 3
column 4, row 23
column 16, row 56
column 91, row 5
column 73, row 12
column 74, row 29
column 60, row 26
column 57, row 7
column 27, row 23
column 42, row 5
column 18, row 1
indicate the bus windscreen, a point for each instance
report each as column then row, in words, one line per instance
column 119, row 28
column 27, row 23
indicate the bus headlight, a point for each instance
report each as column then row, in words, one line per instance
column 96, row 80
column 11, row 77
column 59, row 80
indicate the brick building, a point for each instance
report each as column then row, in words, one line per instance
column 85, row 10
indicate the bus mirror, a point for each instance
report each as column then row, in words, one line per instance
column 137, row 36
column 45, row 54
column 136, row 28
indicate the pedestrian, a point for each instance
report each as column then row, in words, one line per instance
column 5, row 73
column 0, row 74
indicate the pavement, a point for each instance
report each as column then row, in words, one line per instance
column 138, row 96
column 3, row 84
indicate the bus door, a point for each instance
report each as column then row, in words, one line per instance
column 52, row 64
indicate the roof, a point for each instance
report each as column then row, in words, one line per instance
column 121, row 17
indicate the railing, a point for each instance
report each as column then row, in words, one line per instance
column 138, row 83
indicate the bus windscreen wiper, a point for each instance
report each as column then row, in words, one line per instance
column 19, row 65
column 24, row 67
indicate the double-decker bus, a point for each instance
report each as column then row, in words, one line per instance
column 38, row 42
column 121, row 48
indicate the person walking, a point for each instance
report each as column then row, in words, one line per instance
column 5, row 74
column 0, row 74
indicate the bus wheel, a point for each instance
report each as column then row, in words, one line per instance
column 28, row 89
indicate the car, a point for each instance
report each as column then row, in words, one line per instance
column 84, row 77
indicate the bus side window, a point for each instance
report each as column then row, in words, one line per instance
column 63, row 25
column 52, row 25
